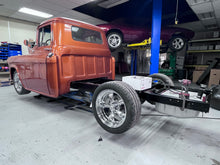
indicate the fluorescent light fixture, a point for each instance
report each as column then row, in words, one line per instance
column 34, row 12
column 111, row 3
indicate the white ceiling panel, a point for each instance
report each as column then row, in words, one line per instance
column 216, row 5
column 208, row 11
column 68, row 4
column 27, row 17
column 82, row 2
column 195, row 2
column 202, row 7
column 48, row 5
column 6, row 12
column 77, row 15
column 11, row 4
column 209, row 22
column 82, row 17
column 58, row 8
column 94, row 21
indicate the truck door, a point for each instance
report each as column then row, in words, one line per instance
column 37, row 65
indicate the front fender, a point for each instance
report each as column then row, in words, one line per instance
column 12, row 69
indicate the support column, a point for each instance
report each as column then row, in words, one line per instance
column 135, row 61
column 156, row 28
column 132, row 62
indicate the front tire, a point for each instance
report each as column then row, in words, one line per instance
column 18, row 85
column 114, row 40
column 116, row 106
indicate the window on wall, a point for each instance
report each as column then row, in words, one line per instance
column 86, row 35
column 44, row 36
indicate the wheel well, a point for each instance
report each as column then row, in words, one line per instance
column 12, row 71
column 179, row 34
column 115, row 30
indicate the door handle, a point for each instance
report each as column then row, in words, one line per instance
column 50, row 54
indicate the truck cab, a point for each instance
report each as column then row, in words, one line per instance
column 65, row 51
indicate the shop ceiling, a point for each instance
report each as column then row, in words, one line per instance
column 193, row 14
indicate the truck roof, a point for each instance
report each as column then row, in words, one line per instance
column 69, row 20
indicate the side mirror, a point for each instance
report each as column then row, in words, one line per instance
column 26, row 42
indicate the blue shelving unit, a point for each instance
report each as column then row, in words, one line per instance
column 8, row 50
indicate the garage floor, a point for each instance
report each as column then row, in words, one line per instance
column 36, row 132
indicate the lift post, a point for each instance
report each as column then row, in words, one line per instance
column 156, row 28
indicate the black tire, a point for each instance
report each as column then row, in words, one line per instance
column 137, row 99
column 162, row 77
column 18, row 86
column 177, row 43
column 130, row 106
column 215, row 98
column 114, row 40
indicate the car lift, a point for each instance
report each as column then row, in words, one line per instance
column 146, row 44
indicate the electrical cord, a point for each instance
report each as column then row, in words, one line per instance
column 177, row 6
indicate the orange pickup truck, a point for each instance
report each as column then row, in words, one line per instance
column 66, row 50
column 70, row 54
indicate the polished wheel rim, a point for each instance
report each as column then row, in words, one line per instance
column 17, row 83
column 111, row 108
column 114, row 40
column 178, row 43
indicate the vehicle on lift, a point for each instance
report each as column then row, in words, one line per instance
column 117, row 34
column 73, row 55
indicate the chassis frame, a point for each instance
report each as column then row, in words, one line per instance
column 154, row 94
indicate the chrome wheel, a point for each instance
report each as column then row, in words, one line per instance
column 17, row 83
column 116, row 106
column 178, row 43
column 111, row 108
column 114, row 40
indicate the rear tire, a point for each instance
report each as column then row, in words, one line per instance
column 215, row 98
column 18, row 85
column 163, row 78
column 116, row 106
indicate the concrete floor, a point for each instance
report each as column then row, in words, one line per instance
column 35, row 132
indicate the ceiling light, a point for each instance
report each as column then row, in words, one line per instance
column 34, row 12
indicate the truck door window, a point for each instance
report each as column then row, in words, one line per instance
column 44, row 36
column 86, row 35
